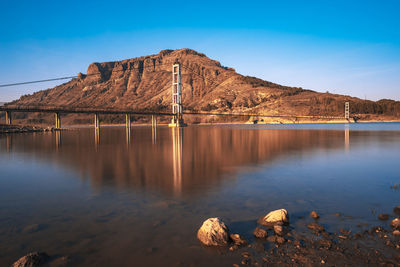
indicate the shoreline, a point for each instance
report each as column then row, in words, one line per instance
column 18, row 128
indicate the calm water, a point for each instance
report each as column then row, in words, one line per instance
column 138, row 198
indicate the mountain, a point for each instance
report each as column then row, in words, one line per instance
column 144, row 83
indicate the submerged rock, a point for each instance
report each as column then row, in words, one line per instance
column 260, row 233
column 396, row 233
column 395, row 223
column 213, row 232
column 314, row 215
column 275, row 217
column 396, row 210
column 32, row 260
column 383, row 217
column 316, row 227
column 238, row 240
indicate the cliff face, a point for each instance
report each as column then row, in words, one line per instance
column 144, row 83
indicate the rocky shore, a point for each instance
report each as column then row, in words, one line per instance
column 6, row 129
column 277, row 243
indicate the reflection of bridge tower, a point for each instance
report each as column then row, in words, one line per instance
column 346, row 138
column 177, row 119
column 177, row 159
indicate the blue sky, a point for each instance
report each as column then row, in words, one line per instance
column 346, row 47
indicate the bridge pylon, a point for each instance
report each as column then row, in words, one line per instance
column 177, row 110
column 8, row 117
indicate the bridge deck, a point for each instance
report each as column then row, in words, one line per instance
column 66, row 110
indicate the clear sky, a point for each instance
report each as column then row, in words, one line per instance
column 346, row 47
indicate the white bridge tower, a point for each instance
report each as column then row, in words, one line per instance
column 177, row 119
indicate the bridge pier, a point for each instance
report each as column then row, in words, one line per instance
column 128, row 121
column 96, row 121
column 8, row 117
column 154, row 128
column 58, row 120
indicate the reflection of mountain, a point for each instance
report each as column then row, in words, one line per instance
column 181, row 161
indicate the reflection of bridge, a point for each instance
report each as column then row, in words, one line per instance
column 177, row 109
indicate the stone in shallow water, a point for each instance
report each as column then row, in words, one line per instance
column 213, row 232
column 314, row 214
column 383, row 217
column 278, row 229
column 33, row 259
column 397, row 210
column 260, row 233
column 316, row 227
column 275, row 217
column 238, row 240
column 395, row 223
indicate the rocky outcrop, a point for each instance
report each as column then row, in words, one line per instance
column 275, row 217
column 213, row 232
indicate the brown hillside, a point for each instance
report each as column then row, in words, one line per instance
column 144, row 83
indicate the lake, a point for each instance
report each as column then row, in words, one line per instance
column 118, row 198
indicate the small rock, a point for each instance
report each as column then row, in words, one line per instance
column 278, row 229
column 32, row 228
column 246, row 254
column 395, row 223
column 32, row 260
column 396, row 210
column 337, row 214
column 314, row 215
column 396, row 233
column 383, row 217
column 213, row 232
column 233, row 248
column 275, row 217
column 260, row 233
column 345, row 232
column 316, row 227
column 238, row 240
column 271, row 238
column 280, row 240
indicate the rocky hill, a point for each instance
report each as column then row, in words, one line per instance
column 144, row 83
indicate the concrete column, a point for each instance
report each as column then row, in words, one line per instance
column 8, row 117
column 96, row 121
column 128, row 121
column 58, row 120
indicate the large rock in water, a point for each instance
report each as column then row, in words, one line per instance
column 275, row 217
column 34, row 259
column 213, row 232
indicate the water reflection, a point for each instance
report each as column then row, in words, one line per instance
column 173, row 164
column 346, row 138
column 177, row 135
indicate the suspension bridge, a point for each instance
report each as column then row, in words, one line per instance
column 176, row 113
